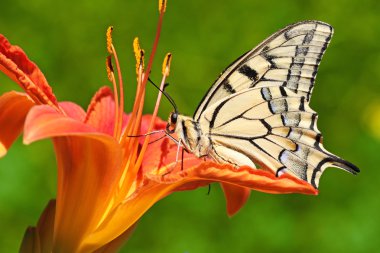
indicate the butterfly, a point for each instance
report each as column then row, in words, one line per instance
column 257, row 112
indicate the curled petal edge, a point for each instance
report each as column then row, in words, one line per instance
column 244, row 176
column 45, row 122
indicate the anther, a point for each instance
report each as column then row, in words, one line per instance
column 162, row 6
column 139, row 55
column 109, row 68
column 109, row 39
column 166, row 64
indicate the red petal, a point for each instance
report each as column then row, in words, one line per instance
column 236, row 197
column 14, row 107
column 101, row 111
column 15, row 64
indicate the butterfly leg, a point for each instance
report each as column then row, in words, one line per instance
column 176, row 157
column 183, row 151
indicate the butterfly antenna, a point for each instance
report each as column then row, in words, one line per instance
column 171, row 100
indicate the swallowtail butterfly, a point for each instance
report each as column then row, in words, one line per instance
column 257, row 112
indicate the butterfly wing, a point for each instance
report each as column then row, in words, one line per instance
column 288, row 58
column 270, row 126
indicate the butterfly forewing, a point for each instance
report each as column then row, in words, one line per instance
column 288, row 58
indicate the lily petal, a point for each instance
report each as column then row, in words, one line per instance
column 236, row 197
column 127, row 214
column 43, row 121
column 16, row 65
column 39, row 239
column 30, row 242
column 73, row 110
column 87, row 171
column 14, row 107
column 192, row 171
column 101, row 111
column 116, row 244
column 45, row 227
column 88, row 166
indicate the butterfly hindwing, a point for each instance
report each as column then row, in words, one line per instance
column 272, row 127
column 288, row 58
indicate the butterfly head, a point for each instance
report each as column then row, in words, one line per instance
column 172, row 122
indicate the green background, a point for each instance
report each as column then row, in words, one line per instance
column 66, row 40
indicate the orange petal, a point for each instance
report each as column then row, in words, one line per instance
column 14, row 107
column 236, row 197
column 161, row 157
column 244, row 176
column 116, row 244
column 15, row 64
column 73, row 110
column 43, row 121
column 126, row 214
column 101, row 111
column 87, row 171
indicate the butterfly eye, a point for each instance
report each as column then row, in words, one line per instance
column 173, row 118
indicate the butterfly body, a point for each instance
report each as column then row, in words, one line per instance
column 192, row 136
column 257, row 112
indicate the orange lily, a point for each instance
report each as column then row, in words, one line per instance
column 107, row 179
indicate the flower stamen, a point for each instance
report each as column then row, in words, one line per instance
column 119, row 104
column 136, row 115
column 111, row 77
column 165, row 74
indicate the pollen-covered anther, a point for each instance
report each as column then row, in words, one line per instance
column 162, row 6
column 109, row 68
column 139, row 55
column 166, row 64
column 109, row 39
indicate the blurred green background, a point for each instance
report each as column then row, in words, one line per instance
column 66, row 40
